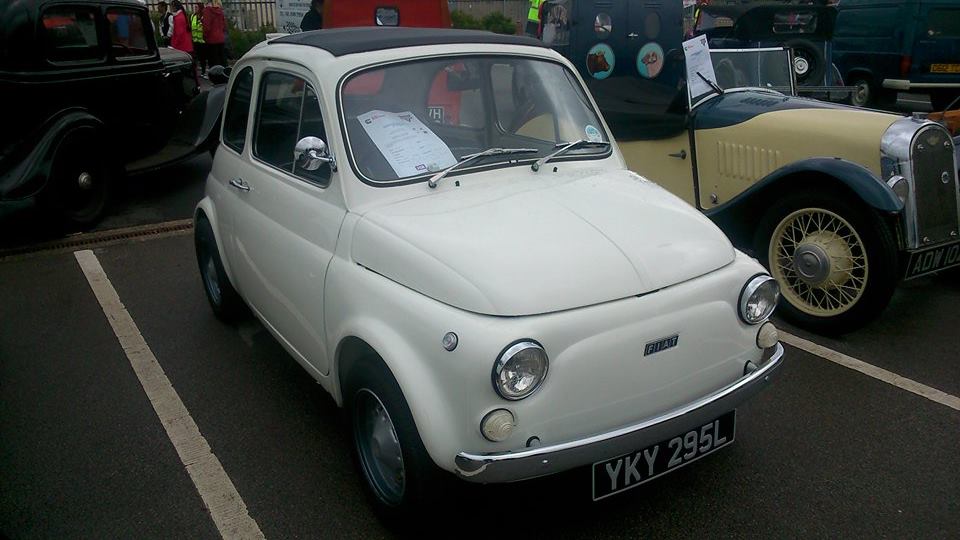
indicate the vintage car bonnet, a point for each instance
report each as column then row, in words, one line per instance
column 540, row 245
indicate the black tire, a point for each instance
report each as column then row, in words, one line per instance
column 81, row 182
column 851, row 296
column 816, row 63
column 864, row 92
column 224, row 299
column 424, row 484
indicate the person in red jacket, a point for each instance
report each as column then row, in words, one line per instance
column 214, row 30
column 181, row 39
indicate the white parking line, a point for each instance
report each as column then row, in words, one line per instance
column 870, row 370
column 221, row 498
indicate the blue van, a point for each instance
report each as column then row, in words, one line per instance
column 887, row 46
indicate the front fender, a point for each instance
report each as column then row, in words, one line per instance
column 207, row 208
column 738, row 216
column 200, row 121
column 28, row 167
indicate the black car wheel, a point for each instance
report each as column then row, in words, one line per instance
column 836, row 261
column 400, row 477
column 809, row 63
column 863, row 93
column 81, row 182
column 224, row 299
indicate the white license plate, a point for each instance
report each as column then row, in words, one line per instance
column 621, row 473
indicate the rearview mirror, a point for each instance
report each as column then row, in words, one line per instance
column 311, row 153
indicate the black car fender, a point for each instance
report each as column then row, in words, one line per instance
column 206, row 109
column 28, row 167
column 740, row 216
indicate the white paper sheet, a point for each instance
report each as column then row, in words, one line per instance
column 409, row 146
column 697, row 53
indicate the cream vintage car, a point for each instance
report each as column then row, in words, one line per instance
column 436, row 226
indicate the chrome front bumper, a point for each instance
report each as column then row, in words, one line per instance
column 544, row 460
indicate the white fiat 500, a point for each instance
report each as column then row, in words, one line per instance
column 437, row 226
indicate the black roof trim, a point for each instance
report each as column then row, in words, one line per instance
column 341, row 41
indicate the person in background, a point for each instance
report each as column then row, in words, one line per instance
column 533, row 19
column 180, row 38
column 214, row 33
column 196, row 32
column 166, row 24
column 313, row 19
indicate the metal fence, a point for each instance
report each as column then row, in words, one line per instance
column 516, row 10
column 243, row 14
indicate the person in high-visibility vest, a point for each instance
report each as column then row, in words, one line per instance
column 196, row 32
column 533, row 18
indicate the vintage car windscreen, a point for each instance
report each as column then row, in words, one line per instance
column 405, row 121
column 753, row 68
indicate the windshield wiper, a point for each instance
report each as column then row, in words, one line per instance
column 716, row 87
column 435, row 179
column 563, row 148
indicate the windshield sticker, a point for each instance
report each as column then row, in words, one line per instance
column 650, row 60
column 600, row 61
column 593, row 134
column 409, row 146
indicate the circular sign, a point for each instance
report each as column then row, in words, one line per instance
column 600, row 61
column 650, row 60
column 593, row 134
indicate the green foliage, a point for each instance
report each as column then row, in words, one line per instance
column 498, row 22
column 494, row 22
column 242, row 41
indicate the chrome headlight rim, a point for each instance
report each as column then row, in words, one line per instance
column 506, row 355
column 751, row 287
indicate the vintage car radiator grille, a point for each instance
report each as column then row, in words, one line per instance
column 935, row 186
column 745, row 162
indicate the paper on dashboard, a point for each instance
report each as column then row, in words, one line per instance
column 409, row 146
column 697, row 53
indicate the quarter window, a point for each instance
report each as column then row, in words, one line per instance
column 238, row 108
column 127, row 33
column 70, row 34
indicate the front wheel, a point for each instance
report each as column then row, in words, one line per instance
column 836, row 262
column 224, row 299
column 81, row 182
column 401, row 479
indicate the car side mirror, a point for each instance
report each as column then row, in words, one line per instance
column 311, row 153
column 219, row 74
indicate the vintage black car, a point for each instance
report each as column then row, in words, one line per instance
column 88, row 97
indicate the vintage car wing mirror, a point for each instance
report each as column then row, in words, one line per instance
column 219, row 74
column 311, row 152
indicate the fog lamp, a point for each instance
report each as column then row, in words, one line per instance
column 768, row 336
column 497, row 425
column 900, row 187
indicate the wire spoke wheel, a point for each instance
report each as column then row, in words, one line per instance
column 820, row 261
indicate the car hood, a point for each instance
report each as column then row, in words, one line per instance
column 173, row 58
column 540, row 244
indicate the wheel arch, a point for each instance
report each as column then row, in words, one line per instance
column 206, row 210
column 33, row 159
column 741, row 215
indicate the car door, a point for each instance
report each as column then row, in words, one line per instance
column 288, row 220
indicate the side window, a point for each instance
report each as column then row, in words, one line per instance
column 455, row 97
column 311, row 125
column 128, row 35
column 70, row 34
column 238, row 107
column 278, row 119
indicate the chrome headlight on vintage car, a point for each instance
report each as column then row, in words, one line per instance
column 758, row 299
column 520, row 370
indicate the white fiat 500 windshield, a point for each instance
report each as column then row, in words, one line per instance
column 407, row 121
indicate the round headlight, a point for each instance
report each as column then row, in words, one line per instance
column 758, row 299
column 520, row 370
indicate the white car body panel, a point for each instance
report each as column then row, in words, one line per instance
column 589, row 260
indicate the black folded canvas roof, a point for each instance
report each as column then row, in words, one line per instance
column 341, row 41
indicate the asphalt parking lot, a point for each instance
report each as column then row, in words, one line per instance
column 825, row 452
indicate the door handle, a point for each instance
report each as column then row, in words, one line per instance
column 240, row 184
column 681, row 154
column 633, row 35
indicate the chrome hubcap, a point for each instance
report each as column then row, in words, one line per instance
column 379, row 446
column 210, row 276
column 820, row 262
column 801, row 65
column 85, row 180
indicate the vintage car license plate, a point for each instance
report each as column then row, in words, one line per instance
column 933, row 259
column 945, row 68
column 621, row 473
